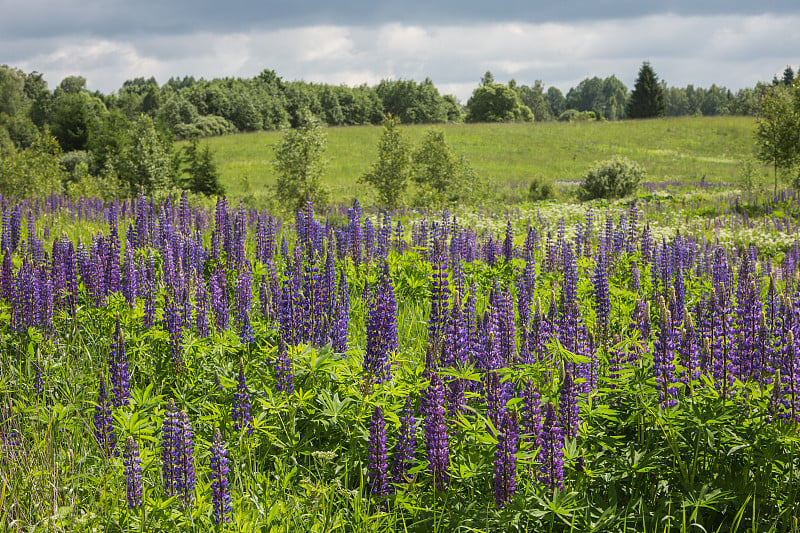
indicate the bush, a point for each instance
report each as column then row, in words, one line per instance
column 35, row 171
column 540, row 189
column 573, row 115
column 300, row 163
column 613, row 178
column 442, row 176
column 390, row 173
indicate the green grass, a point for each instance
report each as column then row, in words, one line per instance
column 508, row 156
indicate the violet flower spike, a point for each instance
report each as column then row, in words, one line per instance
column 220, row 491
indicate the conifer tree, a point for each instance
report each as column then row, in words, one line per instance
column 647, row 98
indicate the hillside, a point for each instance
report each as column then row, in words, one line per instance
column 682, row 149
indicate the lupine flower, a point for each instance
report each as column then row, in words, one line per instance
column 103, row 421
column 133, row 475
column 170, row 448
column 790, row 381
column 378, row 471
column 38, row 379
column 185, row 464
column 568, row 406
column 532, row 415
column 244, row 299
column 405, row 448
column 437, row 319
column 118, row 367
column 219, row 298
column 552, row 455
column 601, row 298
column 240, row 411
column 149, row 292
column 220, row 493
column 436, row 439
column 381, row 330
column 505, row 459
column 663, row 361
column 284, row 380
column 341, row 319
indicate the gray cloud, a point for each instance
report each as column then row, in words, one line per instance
column 731, row 50
column 121, row 19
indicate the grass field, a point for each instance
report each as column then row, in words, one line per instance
column 509, row 155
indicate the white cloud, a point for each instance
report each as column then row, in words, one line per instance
column 735, row 51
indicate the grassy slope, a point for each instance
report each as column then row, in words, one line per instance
column 509, row 155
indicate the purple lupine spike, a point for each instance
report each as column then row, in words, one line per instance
column 219, row 298
column 149, row 292
column 170, row 448
column 38, row 379
column 689, row 350
column 505, row 462
column 663, row 360
column 722, row 344
column 789, row 382
column 103, row 421
column 220, row 491
column 284, row 379
column 118, row 367
column 568, row 406
column 377, row 468
column 201, row 316
column 133, row 475
column 341, row 320
column 436, row 439
column 601, row 298
column 243, row 297
column 354, row 227
column 381, row 328
column 403, row 457
column 498, row 392
column 437, row 318
column 185, row 465
column 635, row 276
column 552, row 456
column 129, row 289
column 532, row 415
column 264, row 298
column 240, row 411
column 173, row 324
column 508, row 244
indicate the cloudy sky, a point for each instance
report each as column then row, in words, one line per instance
column 731, row 43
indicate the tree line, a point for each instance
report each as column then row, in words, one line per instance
column 106, row 137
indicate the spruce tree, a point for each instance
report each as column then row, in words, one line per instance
column 647, row 98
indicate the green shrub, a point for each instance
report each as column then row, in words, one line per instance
column 573, row 115
column 539, row 189
column 613, row 178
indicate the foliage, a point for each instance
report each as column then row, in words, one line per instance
column 748, row 175
column 722, row 458
column 540, row 189
column 606, row 98
column 390, row 173
column 441, row 175
column 573, row 115
column 144, row 162
column 494, row 102
column 412, row 102
column 778, row 130
column 300, row 164
column 647, row 97
column 203, row 176
column 614, row 178
column 35, row 171
column 536, row 100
